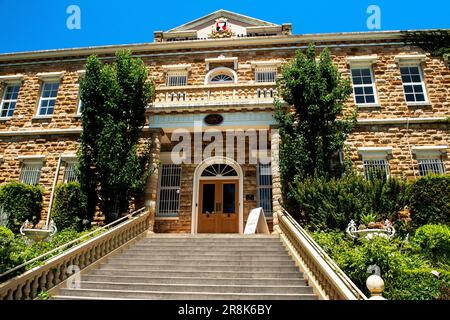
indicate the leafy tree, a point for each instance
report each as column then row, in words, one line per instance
column 114, row 96
column 436, row 42
column 310, row 130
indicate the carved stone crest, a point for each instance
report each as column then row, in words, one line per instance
column 221, row 29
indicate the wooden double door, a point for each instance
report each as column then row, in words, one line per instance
column 218, row 206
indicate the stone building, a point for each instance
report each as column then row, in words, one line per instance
column 215, row 80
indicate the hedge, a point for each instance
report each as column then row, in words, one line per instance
column 70, row 207
column 22, row 202
column 430, row 200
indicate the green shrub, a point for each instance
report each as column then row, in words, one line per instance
column 434, row 242
column 70, row 207
column 430, row 200
column 420, row 284
column 6, row 238
column 330, row 204
column 22, row 202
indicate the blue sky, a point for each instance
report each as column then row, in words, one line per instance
column 27, row 25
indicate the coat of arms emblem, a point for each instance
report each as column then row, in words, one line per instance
column 221, row 29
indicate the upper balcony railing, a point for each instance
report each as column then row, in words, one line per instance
column 205, row 94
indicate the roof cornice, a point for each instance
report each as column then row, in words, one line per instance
column 205, row 44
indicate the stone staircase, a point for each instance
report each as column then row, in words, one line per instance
column 195, row 267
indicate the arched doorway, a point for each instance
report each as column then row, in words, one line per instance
column 217, row 197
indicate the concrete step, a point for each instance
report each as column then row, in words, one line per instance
column 214, row 236
column 214, row 241
column 155, row 295
column 223, row 251
column 152, row 287
column 182, row 257
column 197, row 274
column 200, row 268
column 195, row 262
column 208, row 246
column 298, row 281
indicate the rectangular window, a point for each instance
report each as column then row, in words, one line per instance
column 413, row 84
column 30, row 173
column 265, row 76
column 169, row 191
column 176, row 80
column 363, row 86
column 264, row 188
column 69, row 173
column 9, row 100
column 376, row 167
column 431, row 166
column 48, row 98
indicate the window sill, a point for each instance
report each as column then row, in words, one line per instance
column 166, row 218
column 42, row 118
column 418, row 104
column 77, row 115
column 369, row 105
column 5, row 118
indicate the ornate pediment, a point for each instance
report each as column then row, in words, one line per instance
column 222, row 24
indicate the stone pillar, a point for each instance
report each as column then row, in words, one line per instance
column 151, row 188
column 276, row 180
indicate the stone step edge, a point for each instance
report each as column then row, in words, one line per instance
column 194, row 285
column 191, row 293
column 194, row 278
column 203, row 272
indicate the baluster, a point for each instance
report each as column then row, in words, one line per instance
column 18, row 293
column 34, row 287
column 43, row 282
column 88, row 257
column 57, row 274
column 50, row 277
column 81, row 260
column 27, row 290
column 10, row 294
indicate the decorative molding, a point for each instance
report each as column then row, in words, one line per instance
column 429, row 150
column 31, row 158
column 81, row 73
column 410, row 58
column 69, row 157
column 375, row 152
column 47, row 76
column 12, row 79
column 266, row 64
column 358, row 61
column 177, row 67
column 400, row 120
column 221, row 59
column 217, row 70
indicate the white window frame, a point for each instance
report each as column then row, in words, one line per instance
column 41, row 99
column 431, row 157
column 69, row 171
column 31, row 169
column 265, row 186
column 362, row 85
column 175, row 170
column 421, row 83
column 174, row 79
column 364, row 62
column 413, row 60
column 375, row 156
column 221, row 70
column 4, row 100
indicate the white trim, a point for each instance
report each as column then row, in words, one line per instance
column 12, row 79
column 373, row 85
column 31, row 158
column 429, row 150
column 212, row 72
column 50, row 76
column 422, row 83
column 368, row 153
column 362, row 61
column 267, row 63
column 69, row 157
column 195, row 188
column 221, row 59
column 81, row 73
column 410, row 58
column 177, row 67
column 400, row 120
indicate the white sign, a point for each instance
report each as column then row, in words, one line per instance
column 256, row 222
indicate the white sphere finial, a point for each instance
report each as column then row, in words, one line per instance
column 375, row 284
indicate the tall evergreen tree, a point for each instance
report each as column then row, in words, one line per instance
column 114, row 97
column 312, row 127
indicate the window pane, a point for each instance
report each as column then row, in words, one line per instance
column 208, row 198
column 229, row 198
column 370, row 99
column 410, row 97
column 420, row 97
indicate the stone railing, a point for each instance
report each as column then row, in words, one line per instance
column 329, row 282
column 214, row 93
column 56, row 269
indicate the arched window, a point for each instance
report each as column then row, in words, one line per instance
column 221, row 75
column 219, row 170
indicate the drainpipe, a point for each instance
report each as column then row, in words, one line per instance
column 53, row 191
column 409, row 147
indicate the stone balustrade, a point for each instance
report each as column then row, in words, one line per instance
column 167, row 96
column 329, row 282
column 55, row 270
